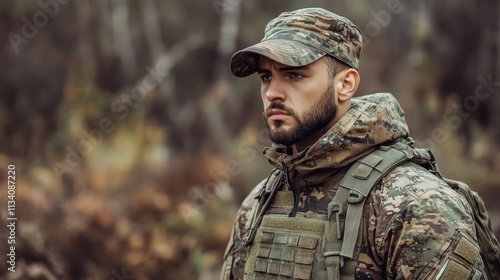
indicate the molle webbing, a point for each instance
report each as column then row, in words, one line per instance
column 312, row 246
column 282, row 204
column 464, row 254
column 346, row 208
column 489, row 245
column 293, row 246
column 287, row 247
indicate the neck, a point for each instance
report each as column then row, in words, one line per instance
column 313, row 138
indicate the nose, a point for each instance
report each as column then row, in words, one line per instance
column 274, row 91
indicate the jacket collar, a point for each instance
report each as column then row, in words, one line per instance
column 372, row 120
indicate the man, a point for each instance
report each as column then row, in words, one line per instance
column 413, row 225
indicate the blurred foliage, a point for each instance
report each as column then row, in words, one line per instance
column 134, row 145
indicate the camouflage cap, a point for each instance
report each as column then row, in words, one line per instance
column 301, row 37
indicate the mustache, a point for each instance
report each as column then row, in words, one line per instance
column 278, row 106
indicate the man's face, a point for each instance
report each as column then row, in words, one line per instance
column 298, row 101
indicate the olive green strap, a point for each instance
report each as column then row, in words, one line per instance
column 366, row 173
column 348, row 203
column 331, row 252
column 264, row 197
column 343, row 238
column 333, row 267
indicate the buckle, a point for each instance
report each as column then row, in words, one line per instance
column 337, row 208
column 355, row 197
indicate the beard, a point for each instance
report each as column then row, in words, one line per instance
column 314, row 119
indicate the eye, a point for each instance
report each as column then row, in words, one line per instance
column 295, row 75
column 265, row 77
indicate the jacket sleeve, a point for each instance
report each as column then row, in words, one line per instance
column 425, row 229
column 234, row 265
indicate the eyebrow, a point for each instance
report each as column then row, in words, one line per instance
column 284, row 68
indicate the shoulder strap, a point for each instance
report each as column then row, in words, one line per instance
column 363, row 175
column 264, row 198
column 347, row 205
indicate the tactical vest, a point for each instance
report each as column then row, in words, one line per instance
column 296, row 247
column 319, row 246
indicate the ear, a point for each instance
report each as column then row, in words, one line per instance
column 347, row 83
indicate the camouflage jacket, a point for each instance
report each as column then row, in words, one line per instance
column 412, row 220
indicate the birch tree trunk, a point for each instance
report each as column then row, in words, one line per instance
column 122, row 41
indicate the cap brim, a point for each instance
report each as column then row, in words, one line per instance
column 290, row 53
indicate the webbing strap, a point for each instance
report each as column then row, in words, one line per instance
column 333, row 267
column 348, row 203
column 331, row 252
column 363, row 175
column 264, row 197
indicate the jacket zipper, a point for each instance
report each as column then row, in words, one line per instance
column 295, row 192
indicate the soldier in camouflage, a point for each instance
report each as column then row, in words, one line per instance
column 413, row 225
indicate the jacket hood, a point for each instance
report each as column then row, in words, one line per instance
column 371, row 120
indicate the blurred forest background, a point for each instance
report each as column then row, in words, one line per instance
column 134, row 145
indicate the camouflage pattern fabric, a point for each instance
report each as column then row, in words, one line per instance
column 233, row 263
column 301, row 37
column 414, row 225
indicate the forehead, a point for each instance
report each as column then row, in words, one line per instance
column 267, row 63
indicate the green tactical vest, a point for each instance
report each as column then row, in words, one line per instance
column 295, row 247
column 320, row 246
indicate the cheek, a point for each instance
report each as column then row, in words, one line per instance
column 304, row 104
column 263, row 96
column 265, row 102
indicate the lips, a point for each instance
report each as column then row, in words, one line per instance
column 277, row 114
